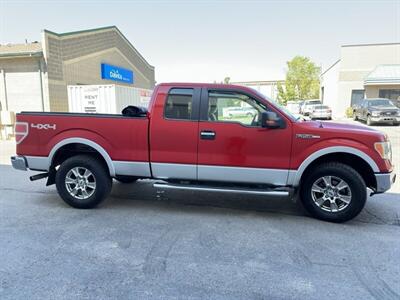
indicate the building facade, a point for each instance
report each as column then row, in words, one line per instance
column 35, row 76
column 267, row 87
column 363, row 71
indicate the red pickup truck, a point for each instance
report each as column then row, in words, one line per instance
column 212, row 137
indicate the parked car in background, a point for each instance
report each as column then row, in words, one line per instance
column 321, row 112
column 308, row 105
column 293, row 106
column 231, row 112
column 377, row 110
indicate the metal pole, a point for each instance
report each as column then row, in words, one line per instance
column 3, row 74
column 41, row 82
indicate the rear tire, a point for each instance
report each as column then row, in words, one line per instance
column 355, row 118
column 126, row 179
column 83, row 181
column 333, row 192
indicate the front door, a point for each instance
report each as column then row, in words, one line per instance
column 233, row 147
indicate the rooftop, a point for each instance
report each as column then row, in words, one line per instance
column 377, row 44
column 27, row 49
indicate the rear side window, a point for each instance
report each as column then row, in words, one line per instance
column 179, row 104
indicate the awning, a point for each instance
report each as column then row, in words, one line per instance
column 383, row 74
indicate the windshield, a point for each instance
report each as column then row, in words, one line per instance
column 380, row 103
column 313, row 102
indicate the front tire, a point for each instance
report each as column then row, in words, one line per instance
column 83, row 181
column 333, row 192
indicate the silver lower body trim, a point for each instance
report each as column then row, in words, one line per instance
column 384, row 181
column 221, row 189
column 131, row 168
column 40, row 163
column 277, row 177
column 174, row 171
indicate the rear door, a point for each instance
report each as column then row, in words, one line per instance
column 174, row 129
column 235, row 148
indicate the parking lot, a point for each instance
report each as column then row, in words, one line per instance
column 144, row 243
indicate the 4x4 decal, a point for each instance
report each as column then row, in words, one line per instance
column 44, row 126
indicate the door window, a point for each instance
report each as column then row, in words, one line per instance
column 234, row 107
column 391, row 94
column 356, row 96
column 179, row 104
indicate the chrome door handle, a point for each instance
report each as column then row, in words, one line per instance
column 207, row 135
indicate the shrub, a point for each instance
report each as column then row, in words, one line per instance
column 349, row 112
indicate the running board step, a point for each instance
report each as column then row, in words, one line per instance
column 270, row 192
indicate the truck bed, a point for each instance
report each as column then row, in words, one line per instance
column 129, row 140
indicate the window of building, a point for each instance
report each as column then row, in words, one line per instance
column 234, row 107
column 391, row 94
column 179, row 104
column 357, row 96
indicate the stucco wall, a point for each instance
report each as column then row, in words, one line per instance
column 356, row 62
column 372, row 91
column 329, row 82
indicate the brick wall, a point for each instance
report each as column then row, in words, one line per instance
column 76, row 59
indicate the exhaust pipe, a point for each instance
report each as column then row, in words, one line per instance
column 39, row 176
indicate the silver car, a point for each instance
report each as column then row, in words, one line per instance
column 308, row 105
column 321, row 112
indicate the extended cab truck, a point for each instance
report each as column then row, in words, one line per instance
column 185, row 142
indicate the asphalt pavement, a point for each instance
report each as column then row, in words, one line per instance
column 148, row 244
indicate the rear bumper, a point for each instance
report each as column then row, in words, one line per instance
column 384, row 181
column 35, row 163
column 19, row 163
column 321, row 116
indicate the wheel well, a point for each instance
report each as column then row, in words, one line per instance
column 73, row 149
column 354, row 161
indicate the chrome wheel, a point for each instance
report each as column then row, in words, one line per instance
column 331, row 193
column 80, row 183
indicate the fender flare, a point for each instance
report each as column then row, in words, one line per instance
column 87, row 142
column 295, row 175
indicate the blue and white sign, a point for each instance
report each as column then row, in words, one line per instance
column 115, row 73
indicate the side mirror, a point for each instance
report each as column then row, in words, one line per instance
column 271, row 120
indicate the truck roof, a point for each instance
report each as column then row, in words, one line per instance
column 208, row 85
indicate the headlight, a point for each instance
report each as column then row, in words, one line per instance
column 398, row 113
column 384, row 149
column 375, row 113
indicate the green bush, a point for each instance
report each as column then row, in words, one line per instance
column 349, row 112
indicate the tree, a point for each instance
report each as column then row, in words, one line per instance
column 227, row 80
column 302, row 80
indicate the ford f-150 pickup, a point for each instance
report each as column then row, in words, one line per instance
column 187, row 140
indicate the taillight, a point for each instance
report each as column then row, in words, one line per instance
column 21, row 131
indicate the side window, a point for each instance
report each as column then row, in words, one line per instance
column 179, row 104
column 234, row 107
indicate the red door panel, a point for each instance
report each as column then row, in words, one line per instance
column 241, row 146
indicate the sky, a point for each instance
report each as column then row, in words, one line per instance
column 206, row 41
